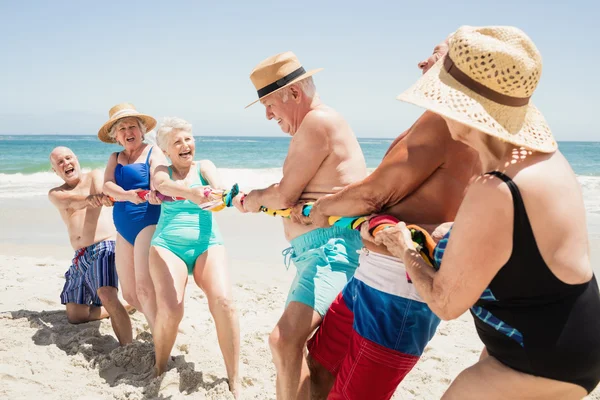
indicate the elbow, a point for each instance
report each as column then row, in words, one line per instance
column 445, row 314
column 288, row 201
column 443, row 307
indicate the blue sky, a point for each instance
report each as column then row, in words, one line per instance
column 65, row 63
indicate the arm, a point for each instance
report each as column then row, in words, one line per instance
column 165, row 185
column 157, row 160
column 480, row 244
column 66, row 201
column 110, row 188
column 211, row 174
column 309, row 147
column 410, row 163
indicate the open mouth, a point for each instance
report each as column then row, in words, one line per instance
column 69, row 171
column 279, row 121
column 186, row 154
column 130, row 139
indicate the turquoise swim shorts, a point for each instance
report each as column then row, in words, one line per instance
column 325, row 260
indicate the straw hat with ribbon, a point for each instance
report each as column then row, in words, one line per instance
column 118, row 112
column 486, row 81
column 278, row 72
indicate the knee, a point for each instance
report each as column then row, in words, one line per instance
column 171, row 311
column 283, row 342
column 221, row 304
column 107, row 294
column 144, row 291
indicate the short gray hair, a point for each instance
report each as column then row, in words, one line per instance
column 168, row 126
column 307, row 85
column 112, row 132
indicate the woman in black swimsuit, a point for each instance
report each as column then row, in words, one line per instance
column 518, row 254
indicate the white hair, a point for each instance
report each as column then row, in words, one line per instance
column 307, row 85
column 112, row 132
column 168, row 126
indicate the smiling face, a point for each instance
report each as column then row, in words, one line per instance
column 65, row 165
column 181, row 148
column 282, row 112
column 128, row 133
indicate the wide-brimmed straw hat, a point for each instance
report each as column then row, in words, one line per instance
column 486, row 81
column 119, row 111
column 278, row 72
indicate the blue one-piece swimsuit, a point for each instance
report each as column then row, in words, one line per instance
column 130, row 218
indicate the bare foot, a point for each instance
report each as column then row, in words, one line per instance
column 234, row 388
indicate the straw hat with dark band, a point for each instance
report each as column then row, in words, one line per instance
column 118, row 112
column 486, row 82
column 278, row 72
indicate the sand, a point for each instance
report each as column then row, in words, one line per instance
column 43, row 356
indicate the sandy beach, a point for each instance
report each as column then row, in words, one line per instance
column 43, row 356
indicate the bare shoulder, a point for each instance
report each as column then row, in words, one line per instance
column 322, row 120
column 206, row 165
column 58, row 195
column 430, row 126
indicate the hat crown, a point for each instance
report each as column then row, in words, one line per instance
column 504, row 59
column 120, row 108
column 274, row 68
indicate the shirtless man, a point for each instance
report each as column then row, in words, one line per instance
column 323, row 157
column 90, row 291
column 377, row 328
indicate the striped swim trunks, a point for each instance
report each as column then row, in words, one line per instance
column 92, row 268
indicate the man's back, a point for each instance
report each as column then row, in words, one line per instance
column 85, row 225
column 325, row 130
column 447, row 166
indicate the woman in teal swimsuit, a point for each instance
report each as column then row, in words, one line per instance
column 126, row 173
column 187, row 242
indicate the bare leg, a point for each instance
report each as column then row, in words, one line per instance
column 288, row 341
column 119, row 318
column 321, row 380
column 169, row 274
column 144, row 287
column 126, row 272
column 211, row 275
column 81, row 313
column 491, row 380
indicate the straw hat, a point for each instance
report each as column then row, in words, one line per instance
column 119, row 111
column 278, row 72
column 485, row 82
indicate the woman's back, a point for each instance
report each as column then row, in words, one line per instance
column 554, row 206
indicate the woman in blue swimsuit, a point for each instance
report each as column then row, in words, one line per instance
column 128, row 172
column 187, row 242
column 518, row 257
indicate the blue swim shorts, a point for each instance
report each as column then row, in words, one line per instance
column 92, row 268
column 325, row 259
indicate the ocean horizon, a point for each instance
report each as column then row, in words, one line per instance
column 250, row 161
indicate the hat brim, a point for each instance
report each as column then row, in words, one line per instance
column 303, row 76
column 440, row 93
column 103, row 132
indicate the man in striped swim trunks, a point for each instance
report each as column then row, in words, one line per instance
column 378, row 327
column 90, row 290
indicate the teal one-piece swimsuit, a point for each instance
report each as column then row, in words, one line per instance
column 185, row 229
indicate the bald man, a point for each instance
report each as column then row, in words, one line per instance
column 90, row 291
